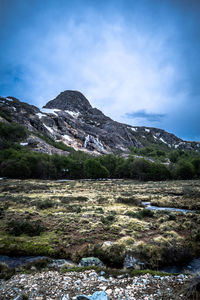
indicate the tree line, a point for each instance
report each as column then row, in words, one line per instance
column 19, row 162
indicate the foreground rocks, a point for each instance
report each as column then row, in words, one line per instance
column 65, row 286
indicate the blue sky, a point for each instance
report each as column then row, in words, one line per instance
column 138, row 61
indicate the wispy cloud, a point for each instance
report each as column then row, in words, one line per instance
column 142, row 114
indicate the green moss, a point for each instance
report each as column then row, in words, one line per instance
column 25, row 245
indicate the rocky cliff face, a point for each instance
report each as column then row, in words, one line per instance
column 71, row 119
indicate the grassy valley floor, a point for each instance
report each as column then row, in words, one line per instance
column 106, row 219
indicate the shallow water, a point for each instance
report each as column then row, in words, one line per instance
column 151, row 207
column 193, row 266
column 13, row 262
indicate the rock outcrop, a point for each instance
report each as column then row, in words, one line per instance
column 70, row 118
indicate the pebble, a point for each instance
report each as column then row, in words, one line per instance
column 54, row 285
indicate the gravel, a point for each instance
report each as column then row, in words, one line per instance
column 54, row 285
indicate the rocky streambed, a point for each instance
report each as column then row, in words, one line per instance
column 59, row 280
column 56, row 285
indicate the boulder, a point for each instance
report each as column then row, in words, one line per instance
column 91, row 261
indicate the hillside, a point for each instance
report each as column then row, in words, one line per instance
column 70, row 119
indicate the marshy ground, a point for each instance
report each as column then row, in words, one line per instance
column 72, row 219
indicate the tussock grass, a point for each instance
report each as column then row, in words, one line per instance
column 80, row 215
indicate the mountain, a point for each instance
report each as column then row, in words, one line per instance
column 70, row 118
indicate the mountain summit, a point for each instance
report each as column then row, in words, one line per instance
column 70, row 100
column 70, row 118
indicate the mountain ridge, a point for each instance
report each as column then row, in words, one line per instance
column 70, row 118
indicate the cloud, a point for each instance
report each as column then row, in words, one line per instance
column 142, row 114
column 136, row 56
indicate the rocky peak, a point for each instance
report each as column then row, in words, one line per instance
column 70, row 119
column 71, row 101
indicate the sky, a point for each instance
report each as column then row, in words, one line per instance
column 136, row 60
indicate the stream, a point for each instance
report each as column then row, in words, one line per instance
column 151, row 207
column 13, row 262
column 193, row 266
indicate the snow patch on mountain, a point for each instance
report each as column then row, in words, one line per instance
column 67, row 137
column 50, row 111
column 9, row 99
column 161, row 139
column 133, row 129
column 73, row 113
column 48, row 128
column 40, row 115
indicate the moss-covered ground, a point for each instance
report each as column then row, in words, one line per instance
column 106, row 219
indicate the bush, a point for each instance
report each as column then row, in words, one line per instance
column 68, row 199
column 108, row 219
column 74, row 208
column 12, row 132
column 184, row 170
column 94, row 169
column 144, row 213
column 196, row 164
column 113, row 256
column 129, row 200
column 176, row 255
column 44, row 204
column 15, row 169
column 39, row 263
column 140, row 169
column 23, row 226
column 158, row 172
column 111, row 163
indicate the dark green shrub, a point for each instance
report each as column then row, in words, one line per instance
column 111, row 163
column 15, row 169
column 144, row 213
column 184, row 170
column 176, row 255
column 158, row 172
column 172, row 217
column 129, row 200
column 74, row 208
column 112, row 257
column 39, row 263
column 45, row 204
column 99, row 210
column 94, row 169
column 196, row 164
column 69, row 199
column 108, row 219
column 12, row 132
column 140, row 169
column 23, row 226
column 173, row 156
